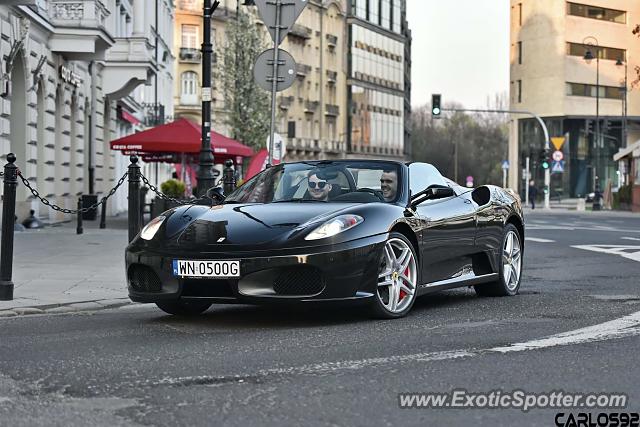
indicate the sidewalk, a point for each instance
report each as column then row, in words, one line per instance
column 56, row 270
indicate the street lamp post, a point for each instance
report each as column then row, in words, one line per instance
column 206, row 178
column 625, row 91
column 588, row 57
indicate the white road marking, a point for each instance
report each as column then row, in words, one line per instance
column 635, row 239
column 626, row 251
column 623, row 327
column 593, row 228
column 539, row 240
column 618, row 328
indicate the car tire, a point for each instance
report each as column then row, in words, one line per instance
column 398, row 278
column 510, row 267
column 184, row 308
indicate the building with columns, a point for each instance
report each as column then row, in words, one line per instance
column 76, row 74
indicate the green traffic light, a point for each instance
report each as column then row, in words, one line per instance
column 545, row 165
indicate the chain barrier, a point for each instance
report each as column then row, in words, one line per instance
column 169, row 198
column 71, row 211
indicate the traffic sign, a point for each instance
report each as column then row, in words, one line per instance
column 557, row 167
column 558, row 142
column 470, row 181
column 263, row 70
column 290, row 10
column 557, row 156
column 505, row 164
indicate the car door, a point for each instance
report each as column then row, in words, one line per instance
column 450, row 226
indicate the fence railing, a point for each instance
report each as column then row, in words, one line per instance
column 12, row 176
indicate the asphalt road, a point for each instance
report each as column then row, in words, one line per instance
column 245, row 366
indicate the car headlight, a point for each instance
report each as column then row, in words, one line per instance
column 335, row 226
column 152, row 228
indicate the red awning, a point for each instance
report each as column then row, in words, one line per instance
column 181, row 136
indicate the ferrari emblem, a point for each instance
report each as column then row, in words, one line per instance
column 395, row 275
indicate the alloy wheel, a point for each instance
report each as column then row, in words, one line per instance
column 398, row 276
column 511, row 261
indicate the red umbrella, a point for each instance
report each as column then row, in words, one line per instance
column 180, row 136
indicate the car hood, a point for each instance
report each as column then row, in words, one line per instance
column 246, row 224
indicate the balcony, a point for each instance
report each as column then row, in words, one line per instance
column 190, row 55
column 80, row 31
column 332, row 41
column 332, row 77
column 286, row 102
column 332, row 110
column 301, row 32
column 129, row 63
column 311, row 106
column 153, row 115
column 302, row 70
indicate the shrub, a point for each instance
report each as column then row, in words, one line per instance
column 624, row 194
column 173, row 188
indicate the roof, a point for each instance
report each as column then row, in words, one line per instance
column 633, row 149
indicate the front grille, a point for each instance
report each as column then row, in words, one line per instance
column 206, row 288
column 299, row 281
column 144, row 279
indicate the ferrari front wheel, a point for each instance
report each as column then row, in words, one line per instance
column 397, row 278
column 184, row 308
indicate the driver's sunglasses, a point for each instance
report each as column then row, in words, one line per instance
column 321, row 184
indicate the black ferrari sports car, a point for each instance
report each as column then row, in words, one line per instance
column 377, row 232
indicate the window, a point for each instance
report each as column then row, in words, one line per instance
column 596, row 12
column 581, row 89
column 189, row 86
column 519, row 91
column 422, row 175
column 519, row 52
column 609, row 53
column 190, row 36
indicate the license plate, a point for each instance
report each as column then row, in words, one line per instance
column 217, row 269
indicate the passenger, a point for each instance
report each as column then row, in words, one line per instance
column 389, row 184
column 319, row 187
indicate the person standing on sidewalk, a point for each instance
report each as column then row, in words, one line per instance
column 533, row 193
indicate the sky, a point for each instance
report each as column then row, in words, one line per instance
column 460, row 50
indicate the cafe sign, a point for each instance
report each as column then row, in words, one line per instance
column 69, row 76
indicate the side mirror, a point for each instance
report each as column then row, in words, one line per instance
column 216, row 193
column 433, row 192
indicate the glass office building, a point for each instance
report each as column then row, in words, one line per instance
column 377, row 86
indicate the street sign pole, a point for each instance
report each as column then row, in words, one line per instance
column 206, row 178
column 274, row 83
column 526, row 184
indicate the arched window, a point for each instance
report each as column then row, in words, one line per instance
column 189, row 84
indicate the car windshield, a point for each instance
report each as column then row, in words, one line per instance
column 322, row 182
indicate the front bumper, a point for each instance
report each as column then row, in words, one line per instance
column 346, row 271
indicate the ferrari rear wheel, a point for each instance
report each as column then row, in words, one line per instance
column 397, row 278
column 184, row 308
column 510, row 275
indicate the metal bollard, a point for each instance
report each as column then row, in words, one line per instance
column 134, row 198
column 79, row 229
column 8, row 220
column 229, row 177
column 103, row 215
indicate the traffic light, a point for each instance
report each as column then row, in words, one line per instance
column 436, row 110
column 544, row 159
column 589, row 126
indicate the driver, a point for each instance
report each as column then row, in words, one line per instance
column 319, row 187
column 389, row 184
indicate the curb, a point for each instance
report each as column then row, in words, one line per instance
column 74, row 307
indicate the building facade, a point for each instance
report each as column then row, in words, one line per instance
column 73, row 76
column 592, row 103
column 332, row 110
column 378, row 93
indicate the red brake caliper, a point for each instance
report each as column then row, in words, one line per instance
column 402, row 292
